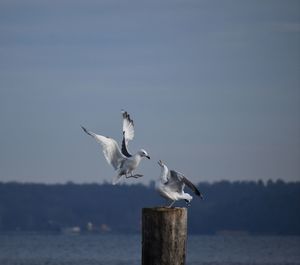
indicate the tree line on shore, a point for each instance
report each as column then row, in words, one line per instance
column 270, row 208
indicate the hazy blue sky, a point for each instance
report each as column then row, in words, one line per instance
column 213, row 87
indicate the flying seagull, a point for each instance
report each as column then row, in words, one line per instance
column 123, row 162
column 171, row 185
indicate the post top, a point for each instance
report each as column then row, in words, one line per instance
column 164, row 209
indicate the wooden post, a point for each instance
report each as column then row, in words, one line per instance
column 164, row 236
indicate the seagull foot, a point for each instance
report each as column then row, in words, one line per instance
column 135, row 176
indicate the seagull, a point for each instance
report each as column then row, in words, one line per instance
column 171, row 186
column 122, row 161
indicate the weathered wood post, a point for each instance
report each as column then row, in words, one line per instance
column 164, row 236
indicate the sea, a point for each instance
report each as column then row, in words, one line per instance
column 111, row 249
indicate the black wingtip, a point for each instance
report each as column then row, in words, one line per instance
column 85, row 130
column 126, row 115
column 198, row 193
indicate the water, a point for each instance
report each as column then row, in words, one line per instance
column 37, row 249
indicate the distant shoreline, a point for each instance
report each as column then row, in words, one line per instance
column 228, row 208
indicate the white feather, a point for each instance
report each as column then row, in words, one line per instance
column 111, row 150
column 128, row 127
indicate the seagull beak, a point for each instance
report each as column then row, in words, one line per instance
column 148, row 157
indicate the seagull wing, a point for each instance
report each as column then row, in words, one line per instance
column 110, row 147
column 182, row 181
column 175, row 181
column 128, row 132
column 191, row 186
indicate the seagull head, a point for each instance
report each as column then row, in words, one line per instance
column 143, row 153
column 164, row 172
column 163, row 166
column 161, row 163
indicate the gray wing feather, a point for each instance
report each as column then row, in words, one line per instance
column 175, row 181
column 191, row 186
column 182, row 181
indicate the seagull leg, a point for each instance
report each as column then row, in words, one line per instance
column 171, row 204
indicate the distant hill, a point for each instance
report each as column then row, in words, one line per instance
column 228, row 208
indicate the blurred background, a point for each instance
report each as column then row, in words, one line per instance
column 213, row 88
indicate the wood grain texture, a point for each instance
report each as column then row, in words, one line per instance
column 164, row 236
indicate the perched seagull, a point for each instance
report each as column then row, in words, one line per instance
column 172, row 183
column 123, row 162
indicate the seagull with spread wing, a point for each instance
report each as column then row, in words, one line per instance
column 122, row 161
column 172, row 183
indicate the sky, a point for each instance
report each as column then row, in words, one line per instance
column 212, row 86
